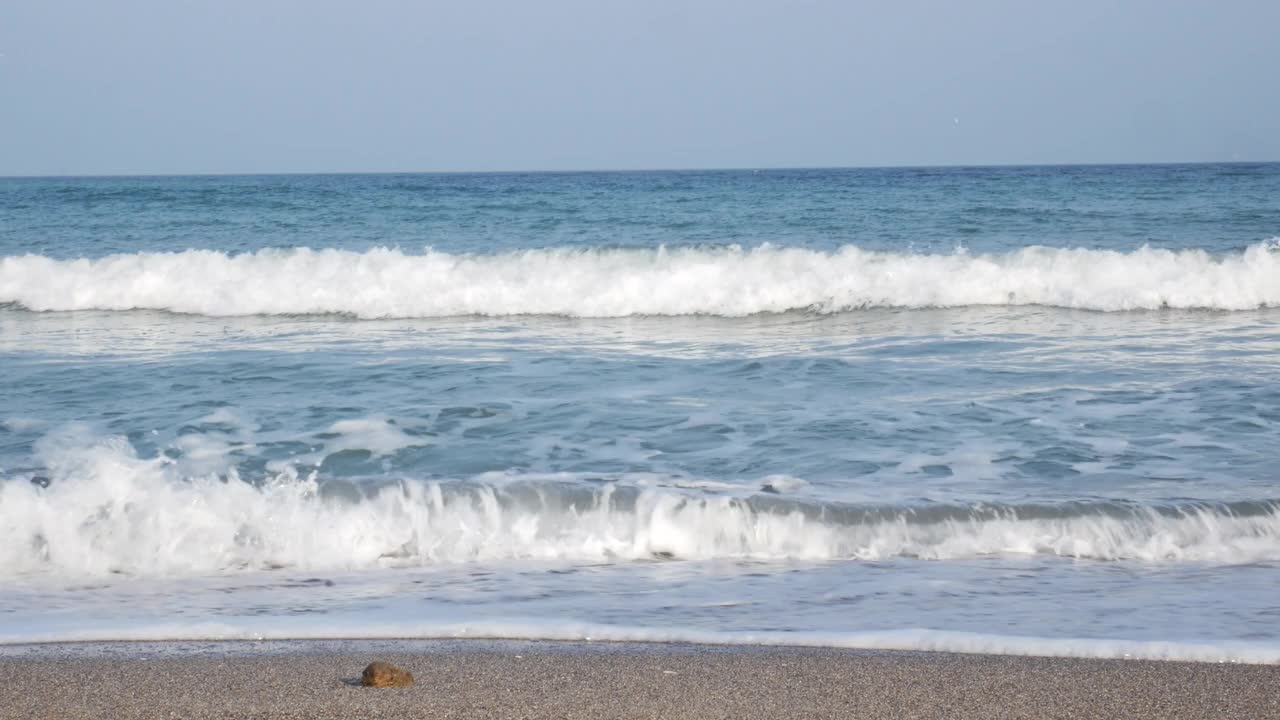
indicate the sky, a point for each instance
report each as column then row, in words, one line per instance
column 262, row 86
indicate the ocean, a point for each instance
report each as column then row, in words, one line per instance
column 1028, row 410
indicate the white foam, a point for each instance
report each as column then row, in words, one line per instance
column 229, row 417
column 782, row 483
column 22, row 424
column 204, row 454
column 730, row 281
column 917, row 639
column 108, row 511
column 378, row 435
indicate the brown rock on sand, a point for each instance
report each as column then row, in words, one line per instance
column 383, row 675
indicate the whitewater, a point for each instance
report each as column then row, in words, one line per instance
column 730, row 281
column 105, row 511
column 997, row 410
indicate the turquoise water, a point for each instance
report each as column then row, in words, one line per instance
column 1002, row 409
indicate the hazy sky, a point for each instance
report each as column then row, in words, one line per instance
column 168, row 86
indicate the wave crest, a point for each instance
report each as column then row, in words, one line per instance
column 731, row 282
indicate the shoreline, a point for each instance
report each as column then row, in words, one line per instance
column 545, row 679
column 900, row 640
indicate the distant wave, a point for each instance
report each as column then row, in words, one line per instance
column 731, row 282
column 104, row 510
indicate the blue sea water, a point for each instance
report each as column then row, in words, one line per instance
column 1028, row 410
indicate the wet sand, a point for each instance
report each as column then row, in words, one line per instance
column 501, row 679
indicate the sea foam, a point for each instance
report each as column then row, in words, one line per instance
column 908, row 639
column 724, row 281
column 104, row 510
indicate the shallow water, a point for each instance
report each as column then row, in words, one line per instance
column 1010, row 410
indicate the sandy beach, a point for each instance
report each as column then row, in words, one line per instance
column 500, row 679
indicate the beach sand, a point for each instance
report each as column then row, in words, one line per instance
column 508, row 679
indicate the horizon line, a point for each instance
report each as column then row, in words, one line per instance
column 587, row 171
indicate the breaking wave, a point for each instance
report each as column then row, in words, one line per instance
column 729, row 281
column 105, row 510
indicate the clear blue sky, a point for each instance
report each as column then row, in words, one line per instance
column 170, row 86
